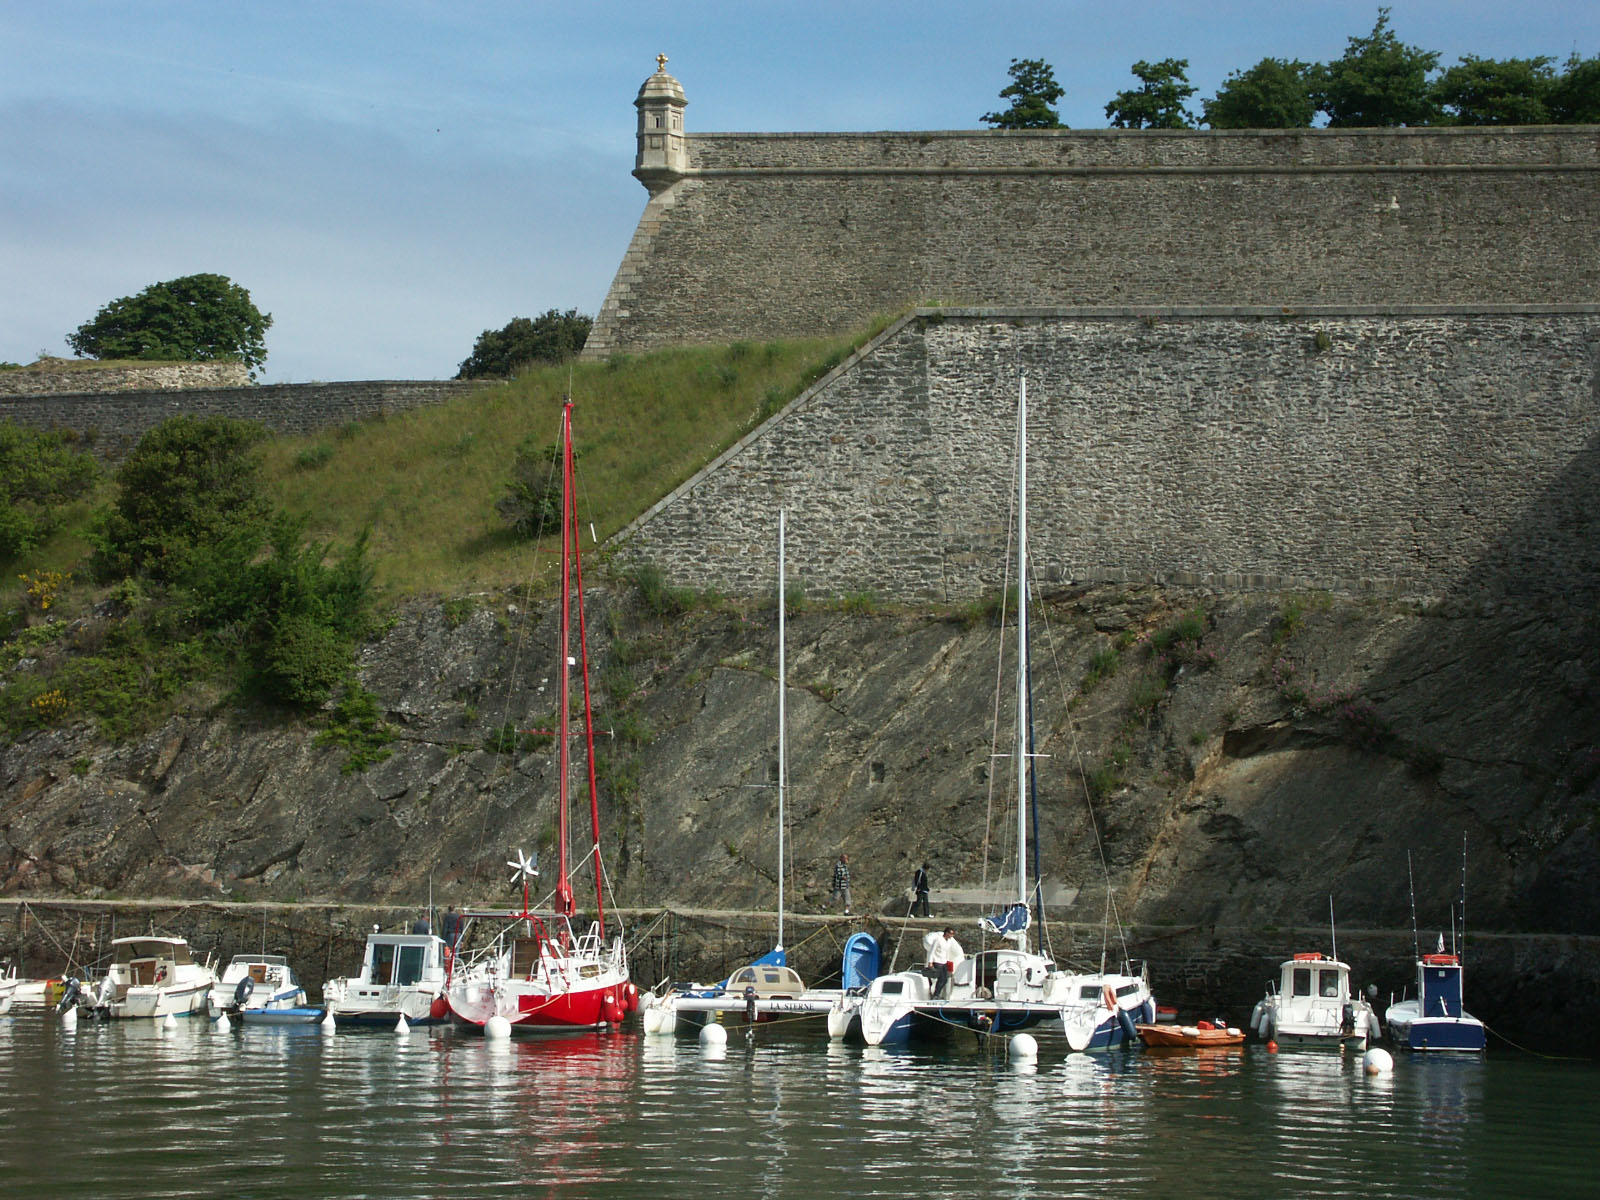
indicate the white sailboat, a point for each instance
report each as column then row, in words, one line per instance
column 1014, row 987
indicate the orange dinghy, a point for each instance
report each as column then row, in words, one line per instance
column 1190, row 1036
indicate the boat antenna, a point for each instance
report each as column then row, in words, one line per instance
column 1022, row 641
column 1411, row 887
column 1333, row 929
column 783, row 683
column 1461, row 953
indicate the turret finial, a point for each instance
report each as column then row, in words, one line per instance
column 661, row 62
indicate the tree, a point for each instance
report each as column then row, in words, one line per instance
column 1379, row 82
column 1158, row 102
column 1273, row 94
column 1575, row 96
column 39, row 474
column 1483, row 91
column 553, row 338
column 199, row 318
column 191, row 483
column 1032, row 91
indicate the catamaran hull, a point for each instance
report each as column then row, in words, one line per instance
column 1074, row 1029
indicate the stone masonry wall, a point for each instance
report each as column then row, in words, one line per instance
column 1410, row 452
column 116, row 420
column 785, row 235
column 51, row 376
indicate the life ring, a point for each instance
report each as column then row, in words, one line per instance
column 242, row 993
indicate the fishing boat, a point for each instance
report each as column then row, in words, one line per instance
column 153, row 976
column 402, row 975
column 1434, row 1018
column 1312, row 1005
column 1203, row 1035
column 540, row 971
column 1013, row 987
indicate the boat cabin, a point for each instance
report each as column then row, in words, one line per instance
column 147, row 961
column 401, row 959
column 1439, row 985
column 770, row 982
column 1312, row 976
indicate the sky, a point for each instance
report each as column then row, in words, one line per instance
column 389, row 180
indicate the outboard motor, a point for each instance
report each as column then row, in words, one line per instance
column 69, row 995
column 1347, row 1022
column 242, row 993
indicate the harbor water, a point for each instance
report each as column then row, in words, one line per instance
column 131, row 1108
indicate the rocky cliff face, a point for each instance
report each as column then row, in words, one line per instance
column 1226, row 763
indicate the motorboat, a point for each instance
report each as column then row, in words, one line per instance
column 1014, row 987
column 257, row 984
column 1312, row 1004
column 548, row 971
column 1434, row 1018
column 8, row 987
column 153, row 976
column 402, row 975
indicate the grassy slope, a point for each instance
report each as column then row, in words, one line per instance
column 426, row 481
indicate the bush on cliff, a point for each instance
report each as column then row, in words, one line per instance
column 553, row 337
column 40, row 473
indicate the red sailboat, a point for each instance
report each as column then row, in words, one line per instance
column 539, row 972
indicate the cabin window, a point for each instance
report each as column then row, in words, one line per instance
column 773, row 977
column 382, row 963
column 1330, row 985
column 1302, row 981
column 411, row 960
column 1088, row 992
column 1128, row 989
column 893, row 987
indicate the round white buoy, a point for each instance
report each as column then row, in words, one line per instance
column 402, row 1025
column 223, row 1024
column 497, row 1027
column 713, row 1035
column 328, row 1024
column 1024, row 1048
column 70, row 1017
column 1377, row 1061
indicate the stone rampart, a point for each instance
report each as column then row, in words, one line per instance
column 114, row 421
column 781, row 235
column 1411, row 451
column 52, row 376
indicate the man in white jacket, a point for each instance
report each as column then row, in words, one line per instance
column 944, row 955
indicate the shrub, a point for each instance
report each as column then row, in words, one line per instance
column 40, row 473
column 357, row 724
column 532, row 503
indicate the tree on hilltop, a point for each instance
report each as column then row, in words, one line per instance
column 1158, row 102
column 198, row 318
column 553, row 337
column 1033, row 89
column 1273, row 94
column 1483, row 91
column 1575, row 96
column 1379, row 82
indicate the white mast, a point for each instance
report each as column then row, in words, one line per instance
column 1022, row 646
column 783, row 680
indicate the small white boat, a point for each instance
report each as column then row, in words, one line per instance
column 1313, row 1005
column 257, row 983
column 402, row 975
column 154, row 976
column 1434, row 1019
column 8, row 988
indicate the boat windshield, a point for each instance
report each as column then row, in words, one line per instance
column 1302, row 981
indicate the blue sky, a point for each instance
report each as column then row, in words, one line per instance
column 391, row 179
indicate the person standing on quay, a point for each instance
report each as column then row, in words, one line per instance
column 919, row 889
column 841, row 881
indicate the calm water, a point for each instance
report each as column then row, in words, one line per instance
column 128, row 1109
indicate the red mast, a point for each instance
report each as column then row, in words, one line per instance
column 564, row 904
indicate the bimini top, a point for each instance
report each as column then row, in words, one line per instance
column 130, row 948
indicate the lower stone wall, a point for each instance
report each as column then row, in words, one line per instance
column 1403, row 452
column 115, row 421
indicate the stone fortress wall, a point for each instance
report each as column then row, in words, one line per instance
column 754, row 236
column 116, row 420
column 54, row 375
column 1414, row 452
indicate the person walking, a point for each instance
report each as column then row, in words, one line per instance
column 919, row 889
column 841, row 881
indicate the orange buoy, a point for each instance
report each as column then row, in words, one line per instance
column 1272, row 1047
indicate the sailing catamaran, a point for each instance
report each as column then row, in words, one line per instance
column 538, row 972
column 1014, row 987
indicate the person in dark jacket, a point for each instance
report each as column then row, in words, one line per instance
column 919, row 888
column 841, row 881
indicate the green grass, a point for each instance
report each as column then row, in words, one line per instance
column 426, row 481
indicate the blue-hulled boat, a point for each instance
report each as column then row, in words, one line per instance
column 1434, row 1019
